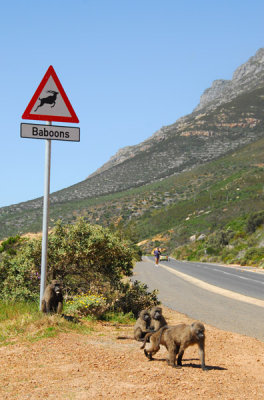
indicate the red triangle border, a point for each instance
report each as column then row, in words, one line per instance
column 27, row 113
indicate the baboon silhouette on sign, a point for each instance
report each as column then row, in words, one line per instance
column 48, row 100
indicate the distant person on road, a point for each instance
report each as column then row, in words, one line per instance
column 157, row 254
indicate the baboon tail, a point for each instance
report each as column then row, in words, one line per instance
column 161, row 332
column 145, row 339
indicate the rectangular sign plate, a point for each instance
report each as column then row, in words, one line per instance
column 52, row 132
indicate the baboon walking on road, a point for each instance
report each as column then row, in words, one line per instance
column 52, row 300
column 176, row 339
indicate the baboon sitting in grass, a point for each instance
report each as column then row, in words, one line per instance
column 52, row 300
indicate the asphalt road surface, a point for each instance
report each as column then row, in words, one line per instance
column 228, row 298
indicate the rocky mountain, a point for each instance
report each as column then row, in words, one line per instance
column 247, row 77
column 230, row 115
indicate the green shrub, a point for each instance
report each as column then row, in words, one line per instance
column 212, row 251
column 253, row 256
column 91, row 262
column 220, row 238
column 80, row 255
column 134, row 297
column 254, row 221
column 9, row 245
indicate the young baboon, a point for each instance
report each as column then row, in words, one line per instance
column 142, row 325
column 176, row 339
column 52, row 300
column 157, row 319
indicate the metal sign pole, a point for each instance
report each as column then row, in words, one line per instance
column 45, row 220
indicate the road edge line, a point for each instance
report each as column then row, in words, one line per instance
column 214, row 289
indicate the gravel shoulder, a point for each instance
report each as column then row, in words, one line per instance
column 99, row 366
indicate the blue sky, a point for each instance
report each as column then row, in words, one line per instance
column 127, row 67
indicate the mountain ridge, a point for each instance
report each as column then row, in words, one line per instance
column 246, row 75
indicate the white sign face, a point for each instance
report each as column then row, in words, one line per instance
column 50, row 101
column 52, row 132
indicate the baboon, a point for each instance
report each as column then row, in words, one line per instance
column 176, row 339
column 142, row 325
column 157, row 319
column 52, row 299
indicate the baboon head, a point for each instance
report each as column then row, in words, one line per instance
column 56, row 286
column 156, row 313
column 145, row 315
column 198, row 330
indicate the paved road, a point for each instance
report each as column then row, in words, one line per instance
column 236, row 279
column 206, row 302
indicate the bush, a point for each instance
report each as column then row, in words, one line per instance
column 212, row 251
column 220, row 238
column 80, row 255
column 9, row 245
column 254, row 221
column 91, row 262
column 134, row 297
column 253, row 256
column 19, row 280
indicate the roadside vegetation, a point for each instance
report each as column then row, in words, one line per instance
column 241, row 242
column 20, row 321
column 94, row 265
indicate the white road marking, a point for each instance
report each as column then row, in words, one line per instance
column 214, row 289
column 237, row 276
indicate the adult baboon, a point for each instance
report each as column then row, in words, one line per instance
column 176, row 339
column 52, row 300
column 157, row 319
column 142, row 325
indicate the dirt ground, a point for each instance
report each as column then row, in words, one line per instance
column 100, row 366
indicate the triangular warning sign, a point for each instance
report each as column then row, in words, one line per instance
column 50, row 102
